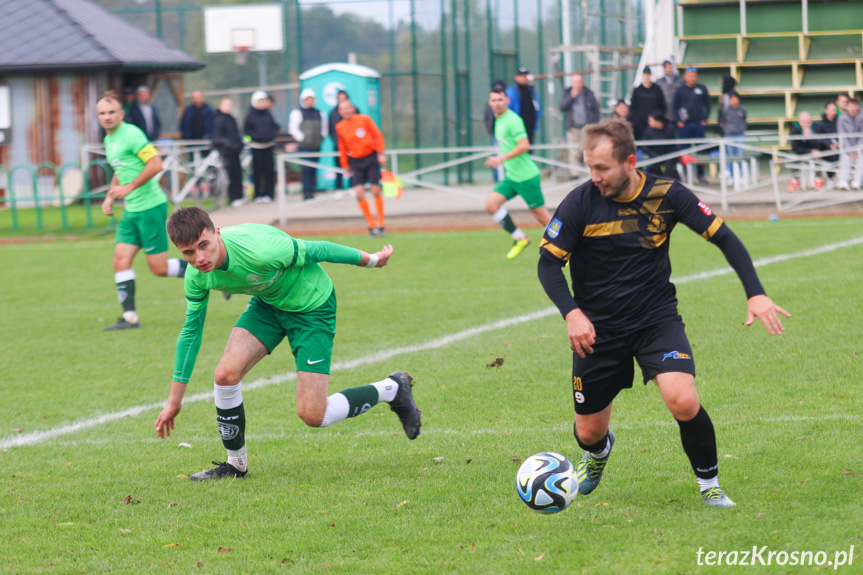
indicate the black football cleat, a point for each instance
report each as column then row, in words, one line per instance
column 122, row 324
column 404, row 405
column 222, row 471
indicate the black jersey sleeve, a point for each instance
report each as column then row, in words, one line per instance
column 700, row 218
column 558, row 242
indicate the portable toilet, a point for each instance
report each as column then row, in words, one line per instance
column 363, row 86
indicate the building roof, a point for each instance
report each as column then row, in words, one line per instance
column 354, row 69
column 53, row 35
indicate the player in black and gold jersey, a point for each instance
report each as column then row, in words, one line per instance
column 614, row 232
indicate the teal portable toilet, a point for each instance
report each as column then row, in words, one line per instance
column 363, row 86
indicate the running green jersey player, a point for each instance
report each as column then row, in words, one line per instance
column 135, row 163
column 521, row 174
column 293, row 297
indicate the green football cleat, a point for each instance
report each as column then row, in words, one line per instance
column 589, row 469
column 715, row 497
column 517, row 247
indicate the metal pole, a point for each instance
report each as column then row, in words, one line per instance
column 805, row 7
column 415, row 78
column 287, row 53
column 467, row 52
column 392, row 38
column 515, row 29
column 459, row 134
column 566, row 34
column 443, row 68
column 299, row 35
column 743, row 17
column 159, row 19
column 262, row 69
column 490, row 41
column 540, row 53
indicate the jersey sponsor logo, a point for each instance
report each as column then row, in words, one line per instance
column 553, row 229
column 361, row 133
column 627, row 212
column 310, row 362
column 579, row 397
column 705, row 208
column 676, row 355
column 254, row 278
column 228, row 431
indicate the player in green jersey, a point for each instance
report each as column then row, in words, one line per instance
column 135, row 163
column 293, row 298
column 521, row 174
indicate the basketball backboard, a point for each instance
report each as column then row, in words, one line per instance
column 249, row 27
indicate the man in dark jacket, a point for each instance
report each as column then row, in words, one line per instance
column 262, row 128
column 581, row 109
column 226, row 139
column 691, row 109
column 659, row 129
column 646, row 99
column 197, row 120
column 308, row 127
column 524, row 101
column 143, row 114
column 669, row 83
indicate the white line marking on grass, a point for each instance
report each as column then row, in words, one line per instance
column 35, row 437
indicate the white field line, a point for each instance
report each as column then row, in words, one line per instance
column 35, row 437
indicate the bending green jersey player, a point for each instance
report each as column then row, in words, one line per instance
column 135, row 163
column 293, row 297
column 522, row 175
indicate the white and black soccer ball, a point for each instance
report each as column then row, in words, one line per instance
column 546, row 482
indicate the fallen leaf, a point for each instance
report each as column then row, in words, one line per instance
column 125, row 530
column 469, row 460
column 760, row 515
column 332, row 525
column 181, row 476
column 438, row 459
column 472, row 547
column 540, row 558
column 184, row 444
column 16, row 430
column 516, row 459
column 496, row 362
column 171, row 545
column 129, row 500
column 68, row 463
column 199, row 563
column 849, row 473
column 520, row 552
column 223, row 550
column 405, row 502
column 170, row 505
column 603, row 504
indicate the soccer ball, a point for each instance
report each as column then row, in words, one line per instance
column 546, row 482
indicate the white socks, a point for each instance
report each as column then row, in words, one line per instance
column 228, row 396
column 238, row 458
column 338, row 408
column 705, row 484
column 173, row 267
column 387, row 389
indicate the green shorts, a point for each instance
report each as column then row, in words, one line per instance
column 145, row 229
column 528, row 189
column 310, row 333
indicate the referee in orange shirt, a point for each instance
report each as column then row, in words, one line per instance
column 361, row 147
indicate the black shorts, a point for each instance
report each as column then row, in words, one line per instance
column 599, row 377
column 365, row 170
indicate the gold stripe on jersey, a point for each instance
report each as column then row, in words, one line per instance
column 611, row 228
column 653, row 242
column 554, row 250
column 714, row 227
column 660, row 188
column 147, row 152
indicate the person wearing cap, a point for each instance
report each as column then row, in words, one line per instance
column 621, row 111
column 690, row 110
column 669, row 83
column 524, row 101
column 144, row 115
column 581, row 109
column 308, row 127
column 646, row 99
column 261, row 128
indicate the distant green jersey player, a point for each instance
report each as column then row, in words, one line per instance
column 521, row 174
column 293, row 297
column 135, row 163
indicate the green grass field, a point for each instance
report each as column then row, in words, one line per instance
column 77, row 438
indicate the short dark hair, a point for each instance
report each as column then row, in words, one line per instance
column 187, row 224
column 657, row 115
column 498, row 90
column 619, row 131
column 109, row 95
column 734, row 94
column 853, row 101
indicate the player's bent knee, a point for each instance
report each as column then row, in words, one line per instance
column 684, row 407
column 226, row 376
column 586, row 434
column 311, row 417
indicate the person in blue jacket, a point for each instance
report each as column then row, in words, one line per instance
column 524, row 101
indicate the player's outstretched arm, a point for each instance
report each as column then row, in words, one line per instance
column 377, row 259
column 763, row 308
column 165, row 421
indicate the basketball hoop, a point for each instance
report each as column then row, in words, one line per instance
column 241, row 55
